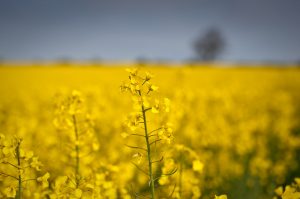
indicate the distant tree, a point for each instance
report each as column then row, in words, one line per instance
column 141, row 61
column 96, row 60
column 64, row 61
column 210, row 45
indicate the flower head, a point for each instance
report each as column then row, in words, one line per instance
column 221, row 196
column 44, row 180
column 10, row 191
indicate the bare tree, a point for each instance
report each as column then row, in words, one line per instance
column 209, row 46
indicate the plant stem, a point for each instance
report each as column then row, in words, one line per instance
column 77, row 177
column 19, row 193
column 149, row 154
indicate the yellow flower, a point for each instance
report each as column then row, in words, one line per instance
column 169, row 166
column 133, row 81
column 132, row 72
column 221, row 197
column 124, row 135
column 2, row 138
column 78, row 193
column 290, row 193
column 10, row 192
column 148, row 76
column 124, row 87
column 134, row 120
column 7, row 148
column 28, row 155
column 167, row 105
column 279, row 191
column 151, row 87
column 196, row 192
column 36, row 164
column 44, row 180
column 59, row 182
column 155, row 108
column 75, row 103
column 89, row 187
column 198, row 166
column 166, row 133
column 76, row 94
column 138, row 157
column 95, row 146
column 163, row 181
column 158, row 106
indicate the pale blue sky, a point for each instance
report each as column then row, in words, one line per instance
column 254, row 30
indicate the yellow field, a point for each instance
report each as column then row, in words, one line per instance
column 233, row 131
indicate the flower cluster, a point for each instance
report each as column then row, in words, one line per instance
column 142, row 92
column 189, row 175
column 20, row 170
column 221, row 133
column 289, row 191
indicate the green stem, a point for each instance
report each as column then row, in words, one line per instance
column 77, row 175
column 19, row 193
column 149, row 154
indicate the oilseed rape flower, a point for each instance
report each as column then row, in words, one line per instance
column 44, row 180
column 291, row 191
column 141, row 90
column 210, row 130
column 198, row 166
column 19, row 167
column 10, row 191
column 221, row 197
column 190, row 170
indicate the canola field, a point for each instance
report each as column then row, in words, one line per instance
column 152, row 132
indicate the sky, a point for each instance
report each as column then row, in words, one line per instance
column 253, row 30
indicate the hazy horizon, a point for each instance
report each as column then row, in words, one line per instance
column 254, row 31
